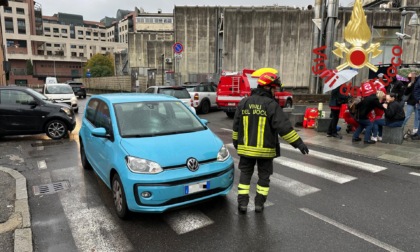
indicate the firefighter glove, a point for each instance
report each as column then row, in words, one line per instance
column 303, row 148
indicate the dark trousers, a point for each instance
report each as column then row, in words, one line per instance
column 265, row 169
column 332, row 129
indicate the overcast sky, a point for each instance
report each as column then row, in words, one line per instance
column 95, row 10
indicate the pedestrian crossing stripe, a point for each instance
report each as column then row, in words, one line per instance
column 314, row 170
column 286, row 184
column 340, row 160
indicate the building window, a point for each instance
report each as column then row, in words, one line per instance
column 74, row 54
column 64, row 36
column 47, row 29
column 48, row 45
column 55, row 30
column 103, row 48
column 56, row 45
column 81, row 47
column 9, row 24
column 81, row 54
column 7, row 9
column 63, row 30
column 73, row 46
column 49, row 53
column 20, row 11
column 102, row 35
column 79, row 32
column 95, row 34
column 21, row 26
column 88, row 33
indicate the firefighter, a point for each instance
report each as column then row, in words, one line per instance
column 257, row 123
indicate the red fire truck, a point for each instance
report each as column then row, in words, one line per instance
column 234, row 86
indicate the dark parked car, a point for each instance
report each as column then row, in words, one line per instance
column 24, row 111
column 78, row 89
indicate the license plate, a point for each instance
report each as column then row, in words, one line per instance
column 198, row 187
column 231, row 104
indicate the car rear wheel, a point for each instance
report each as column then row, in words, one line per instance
column 56, row 129
column 85, row 163
column 118, row 193
column 205, row 107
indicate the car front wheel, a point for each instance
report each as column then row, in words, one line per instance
column 118, row 193
column 56, row 129
column 85, row 163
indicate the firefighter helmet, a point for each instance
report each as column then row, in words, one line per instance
column 269, row 79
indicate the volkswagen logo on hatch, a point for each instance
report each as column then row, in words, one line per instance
column 192, row 164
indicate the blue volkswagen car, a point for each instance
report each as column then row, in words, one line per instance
column 153, row 152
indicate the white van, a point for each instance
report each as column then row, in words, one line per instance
column 62, row 93
column 51, row 80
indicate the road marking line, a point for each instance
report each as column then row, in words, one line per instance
column 93, row 227
column 350, row 230
column 187, row 220
column 415, row 174
column 345, row 161
column 42, row 165
column 314, row 170
column 286, row 184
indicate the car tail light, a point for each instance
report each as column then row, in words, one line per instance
column 196, row 97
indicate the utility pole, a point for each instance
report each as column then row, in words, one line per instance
column 163, row 69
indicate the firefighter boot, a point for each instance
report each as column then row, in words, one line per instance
column 260, row 198
column 243, row 198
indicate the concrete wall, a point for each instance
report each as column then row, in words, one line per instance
column 147, row 54
column 269, row 37
column 196, row 29
column 107, row 84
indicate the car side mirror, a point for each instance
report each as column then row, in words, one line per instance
column 100, row 132
column 33, row 103
column 204, row 121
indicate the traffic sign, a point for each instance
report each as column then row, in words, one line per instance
column 178, row 47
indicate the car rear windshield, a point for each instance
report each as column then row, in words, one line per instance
column 180, row 93
column 154, row 118
column 58, row 89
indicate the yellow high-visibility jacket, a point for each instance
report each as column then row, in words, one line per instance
column 258, row 121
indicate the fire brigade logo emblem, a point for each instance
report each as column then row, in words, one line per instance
column 192, row 164
column 357, row 33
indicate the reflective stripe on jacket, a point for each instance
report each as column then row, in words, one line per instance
column 257, row 123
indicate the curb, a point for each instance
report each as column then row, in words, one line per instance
column 23, row 232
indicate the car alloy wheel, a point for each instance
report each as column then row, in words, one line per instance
column 120, row 202
column 56, row 129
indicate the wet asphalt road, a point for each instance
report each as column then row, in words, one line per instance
column 316, row 205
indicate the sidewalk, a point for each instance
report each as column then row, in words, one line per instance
column 15, row 223
column 406, row 154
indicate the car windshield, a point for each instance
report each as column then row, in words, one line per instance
column 38, row 95
column 58, row 89
column 146, row 119
column 180, row 93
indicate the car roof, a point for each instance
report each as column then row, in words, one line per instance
column 134, row 97
column 14, row 87
column 168, row 87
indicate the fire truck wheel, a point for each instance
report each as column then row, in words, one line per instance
column 289, row 103
column 230, row 114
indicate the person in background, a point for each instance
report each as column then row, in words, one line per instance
column 364, row 110
column 336, row 100
column 396, row 87
column 378, row 83
column 416, row 94
column 394, row 116
column 257, row 123
column 411, row 103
